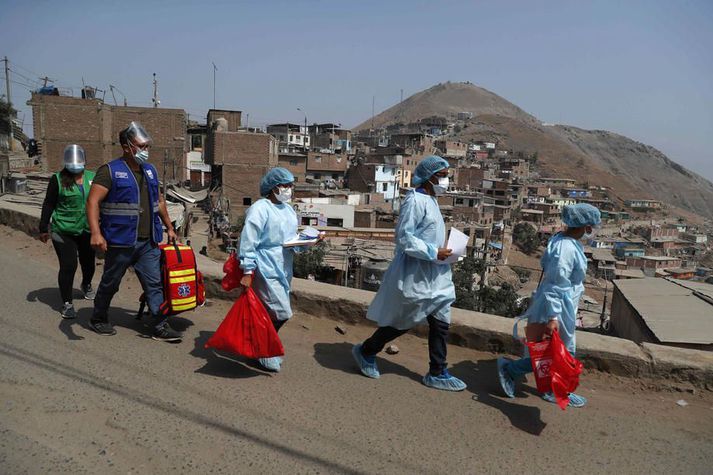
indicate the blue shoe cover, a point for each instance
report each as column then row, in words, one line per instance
column 506, row 382
column 575, row 400
column 271, row 364
column 367, row 368
column 444, row 381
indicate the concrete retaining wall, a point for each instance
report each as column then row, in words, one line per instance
column 493, row 333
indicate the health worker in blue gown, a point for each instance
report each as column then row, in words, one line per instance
column 417, row 287
column 554, row 305
column 266, row 264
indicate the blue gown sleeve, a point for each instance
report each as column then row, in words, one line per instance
column 556, row 281
column 410, row 215
column 255, row 220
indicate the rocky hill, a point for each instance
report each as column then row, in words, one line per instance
column 631, row 169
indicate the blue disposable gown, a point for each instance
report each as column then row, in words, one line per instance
column 415, row 286
column 267, row 227
column 564, row 266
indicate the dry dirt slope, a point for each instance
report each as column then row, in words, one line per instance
column 645, row 167
column 444, row 100
column 629, row 168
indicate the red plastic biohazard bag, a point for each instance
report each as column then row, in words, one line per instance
column 565, row 371
column 541, row 358
column 233, row 273
column 247, row 330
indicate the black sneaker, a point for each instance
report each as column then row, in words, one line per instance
column 102, row 328
column 89, row 292
column 68, row 311
column 168, row 334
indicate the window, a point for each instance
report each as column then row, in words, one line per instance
column 459, row 201
column 335, row 222
column 317, row 176
column 335, row 176
column 247, row 201
column 384, row 186
column 293, row 163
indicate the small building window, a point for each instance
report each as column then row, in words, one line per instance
column 247, row 201
column 335, row 222
column 293, row 163
column 384, row 186
column 317, row 176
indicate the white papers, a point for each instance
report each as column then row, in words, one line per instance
column 297, row 241
column 307, row 237
column 457, row 242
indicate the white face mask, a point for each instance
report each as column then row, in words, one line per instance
column 284, row 194
column 590, row 235
column 442, row 185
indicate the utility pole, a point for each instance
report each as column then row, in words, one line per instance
column 155, row 100
column 373, row 101
column 484, row 272
column 165, row 160
column 9, row 104
column 215, row 68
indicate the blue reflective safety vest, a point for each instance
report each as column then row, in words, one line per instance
column 120, row 210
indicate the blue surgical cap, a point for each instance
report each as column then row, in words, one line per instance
column 427, row 168
column 276, row 176
column 581, row 214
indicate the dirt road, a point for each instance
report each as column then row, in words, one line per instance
column 76, row 402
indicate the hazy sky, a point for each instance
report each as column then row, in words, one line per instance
column 642, row 69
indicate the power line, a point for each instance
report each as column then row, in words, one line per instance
column 23, row 76
column 29, row 88
column 25, row 69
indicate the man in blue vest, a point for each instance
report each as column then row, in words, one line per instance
column 125, row 210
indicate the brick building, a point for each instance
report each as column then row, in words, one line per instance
column 452, row 148
column 232, row 118
column 60, row 120
column 471, row 178
column 326, row 166
column 241, row 159
column 295, row 163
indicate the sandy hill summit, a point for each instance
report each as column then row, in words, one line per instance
column 629, row 168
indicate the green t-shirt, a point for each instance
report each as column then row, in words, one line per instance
column 103, row 178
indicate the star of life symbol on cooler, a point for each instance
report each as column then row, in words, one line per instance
column 184, row 290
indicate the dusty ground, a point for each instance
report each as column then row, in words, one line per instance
column 75, row 402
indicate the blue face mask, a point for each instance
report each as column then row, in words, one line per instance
column 74, row 169
column 141, row 156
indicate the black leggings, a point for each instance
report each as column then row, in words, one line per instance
column 67, row 248
column 437, row 340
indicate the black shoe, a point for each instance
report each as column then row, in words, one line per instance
column 89, row 292
column 102, row 328
column 166, row 333
column 68, row 311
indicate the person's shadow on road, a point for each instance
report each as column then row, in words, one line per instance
column 50, row 297
column 338, row 356
column 221, row 364
column 482, row 380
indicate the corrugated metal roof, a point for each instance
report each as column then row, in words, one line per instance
column 670, row 309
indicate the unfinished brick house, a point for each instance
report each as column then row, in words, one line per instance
column 60, row 120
